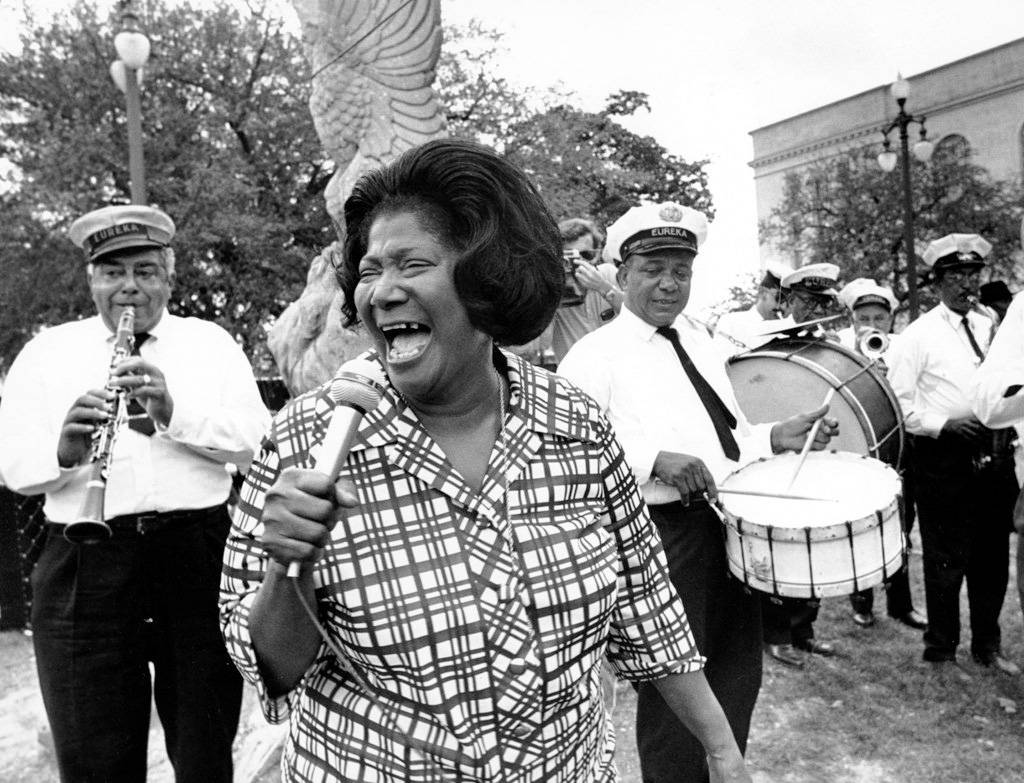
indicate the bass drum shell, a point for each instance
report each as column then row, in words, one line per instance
column 792, row 375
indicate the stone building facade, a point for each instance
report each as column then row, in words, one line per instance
column 976, row 103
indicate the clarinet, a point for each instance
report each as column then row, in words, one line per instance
column 90, row 528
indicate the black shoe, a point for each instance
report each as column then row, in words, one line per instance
column 997, row 661
column 912, row 619
column 787, row 654
column 812, row 645
column 864, row 619
column 948, row 668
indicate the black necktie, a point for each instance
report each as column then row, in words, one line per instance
column 720, row 415
column 138, row 419
column 970, row 338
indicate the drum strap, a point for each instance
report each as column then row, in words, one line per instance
column 721, row 416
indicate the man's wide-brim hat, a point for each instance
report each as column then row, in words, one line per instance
column 106, row 230
column 652, row 227
column 865, row 291
column 813, row 278
column 956, row 250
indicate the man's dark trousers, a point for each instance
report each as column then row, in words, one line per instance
column 101, row 613
column 726, row 624
column 965, row 516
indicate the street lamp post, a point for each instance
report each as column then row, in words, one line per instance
column 923, row 148
column 133, row 50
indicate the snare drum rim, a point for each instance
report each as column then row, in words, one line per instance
column 836, row 530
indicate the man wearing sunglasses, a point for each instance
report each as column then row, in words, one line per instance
column 807, row 294
column 591, row 296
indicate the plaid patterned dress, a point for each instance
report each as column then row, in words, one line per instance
column 481, row 630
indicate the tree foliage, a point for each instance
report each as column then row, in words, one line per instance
column 229, row 148
column 846, row 210
column 232, row 155
column 585, row 164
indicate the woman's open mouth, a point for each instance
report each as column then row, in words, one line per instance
column 406, row 340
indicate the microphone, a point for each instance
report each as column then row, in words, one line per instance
column 356, row 389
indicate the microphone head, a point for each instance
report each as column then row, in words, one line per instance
column 358, row 383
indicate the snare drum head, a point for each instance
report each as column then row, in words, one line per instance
column 855, row 487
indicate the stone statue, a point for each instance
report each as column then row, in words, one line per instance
column 373, row 64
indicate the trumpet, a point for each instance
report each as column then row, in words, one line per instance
column 872, row 344
column 90, row 528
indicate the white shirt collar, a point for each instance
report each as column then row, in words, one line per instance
column 636, row 325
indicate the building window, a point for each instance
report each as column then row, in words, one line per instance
column 952, row 148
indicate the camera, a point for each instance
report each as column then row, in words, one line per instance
column 572, row 292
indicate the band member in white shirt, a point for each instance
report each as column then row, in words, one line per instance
column 872, row 307
column 964, row 470
column 661, row 381
column 745, row 327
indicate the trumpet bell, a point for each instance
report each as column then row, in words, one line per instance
column 872, row 343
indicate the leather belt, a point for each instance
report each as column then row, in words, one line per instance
column 154, row 521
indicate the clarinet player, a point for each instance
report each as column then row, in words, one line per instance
column 135, row 508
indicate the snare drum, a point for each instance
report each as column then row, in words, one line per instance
column 810, row 548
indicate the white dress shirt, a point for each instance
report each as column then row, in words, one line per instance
column 636, row 378
column 218, row 418
column 744, row 329
column 1002, row 372
column 932, row 365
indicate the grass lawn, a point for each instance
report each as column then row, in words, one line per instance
column 876, row 714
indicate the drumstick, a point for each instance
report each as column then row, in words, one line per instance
column 782, row 495
column 810, row 439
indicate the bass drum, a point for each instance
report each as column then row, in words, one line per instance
column 792, row 375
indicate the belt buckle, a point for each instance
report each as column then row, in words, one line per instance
column 141, row 520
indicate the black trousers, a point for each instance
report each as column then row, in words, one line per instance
column 788, row 620
column 726, row 624
column 101, row 614
column 966, row 516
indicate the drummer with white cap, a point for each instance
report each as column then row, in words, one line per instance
column 809, row 293
column 964, row 470
column 661, row 380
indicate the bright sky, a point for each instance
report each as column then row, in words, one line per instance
column 717, row 70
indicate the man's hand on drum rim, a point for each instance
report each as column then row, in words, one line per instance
column 686, row 473
column 791, row 434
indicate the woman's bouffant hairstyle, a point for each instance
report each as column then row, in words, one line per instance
column 509, row 269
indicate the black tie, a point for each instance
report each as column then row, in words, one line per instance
column 970, row 338
column 138, row 419
column 720, row 415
